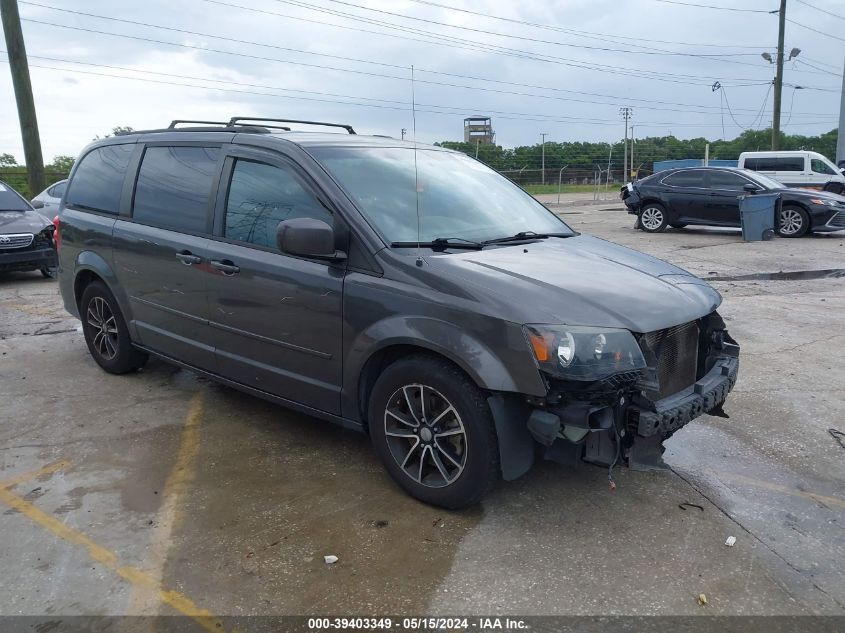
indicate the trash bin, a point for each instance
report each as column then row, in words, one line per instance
column 757, row 214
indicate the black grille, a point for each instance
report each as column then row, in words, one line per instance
column 838, row 220
column 676, row 349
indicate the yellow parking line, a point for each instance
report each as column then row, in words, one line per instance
column 144, row 598
column 137, row 577
column 33, row 474
column 828, row 501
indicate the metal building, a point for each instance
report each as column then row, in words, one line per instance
column 479, row 130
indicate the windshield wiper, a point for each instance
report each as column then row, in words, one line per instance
column 442, row 243
column 525, row 235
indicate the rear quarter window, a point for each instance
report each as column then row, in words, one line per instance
column 174, row 187
column 98, row 180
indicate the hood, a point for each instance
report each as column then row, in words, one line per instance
column 798, row 192
column 22, row 222
column 582, row 280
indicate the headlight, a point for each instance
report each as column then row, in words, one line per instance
column 827, row 203
column 583, row 353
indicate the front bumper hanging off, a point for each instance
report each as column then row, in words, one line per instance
column 671, row 413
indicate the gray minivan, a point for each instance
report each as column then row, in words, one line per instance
column 406, row 291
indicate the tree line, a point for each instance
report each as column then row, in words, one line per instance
column 586, row 155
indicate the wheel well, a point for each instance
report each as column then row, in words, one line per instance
column 83, row 279
column 378, row 362
column 649, row 201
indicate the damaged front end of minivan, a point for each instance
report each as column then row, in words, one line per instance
column 615, row 396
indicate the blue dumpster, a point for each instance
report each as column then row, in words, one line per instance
column 757, row 214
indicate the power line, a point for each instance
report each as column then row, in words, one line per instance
column 647, row 51
column 812, row 6
column 822, row 70
column 810, row 28
column 660, row 75
column 563, row 61
column 448, row 110
column 586, row 34
column 711, row 6
column 311, row 65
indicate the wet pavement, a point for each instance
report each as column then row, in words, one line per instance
column 162, row 492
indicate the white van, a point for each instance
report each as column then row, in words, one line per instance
column 810, row 170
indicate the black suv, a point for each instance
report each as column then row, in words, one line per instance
column 405, row 291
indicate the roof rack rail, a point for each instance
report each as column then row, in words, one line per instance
column 176, row 122
column 235, row 121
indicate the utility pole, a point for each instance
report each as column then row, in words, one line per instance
column 840, row 139
column 543, row 136
column 16, row 50
column 778, row 78
column 404, row 131
column 631, row 171
column 626, row 113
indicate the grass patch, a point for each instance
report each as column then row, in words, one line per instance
column 538, row 189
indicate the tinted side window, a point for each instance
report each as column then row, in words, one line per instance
column 174, row 185
column 783, row 163
column 98, row 181
column 694, row 178
column 727, row 180
column 820, row 167
column 261, row 196
column 794, row 163
column 57, row 191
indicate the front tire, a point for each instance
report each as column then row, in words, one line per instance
column 106, row 333
column 792, row 222
column 433, row 430
column 653, row 218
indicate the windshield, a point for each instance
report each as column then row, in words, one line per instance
column 768, row 183
column 11, row 201
column 459, row 197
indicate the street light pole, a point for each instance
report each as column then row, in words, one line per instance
column 840, row 139
column 543, row 136
column 626, row 114
column 778, row 78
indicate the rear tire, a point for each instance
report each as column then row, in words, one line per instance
column 106, row 333
column 653, row 218
column 792, row 222
column 48, row 272
column 433, row 430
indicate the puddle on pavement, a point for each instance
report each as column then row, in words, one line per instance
column 799, row 275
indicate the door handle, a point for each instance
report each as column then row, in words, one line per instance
column 225, row 266
column 188, row 258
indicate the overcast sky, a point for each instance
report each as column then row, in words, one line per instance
column 350, row 62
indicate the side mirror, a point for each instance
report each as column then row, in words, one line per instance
column 307, row 237
column 37, row 204
column 751, row 187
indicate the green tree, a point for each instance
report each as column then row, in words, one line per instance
column 61, row 163
column 115, row 131
column 7, row 160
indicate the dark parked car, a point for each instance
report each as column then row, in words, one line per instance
column 710, row 196
column 26, row 236
column 404, row 291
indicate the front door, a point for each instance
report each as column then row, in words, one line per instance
column 725, row 189
column 277, row 319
